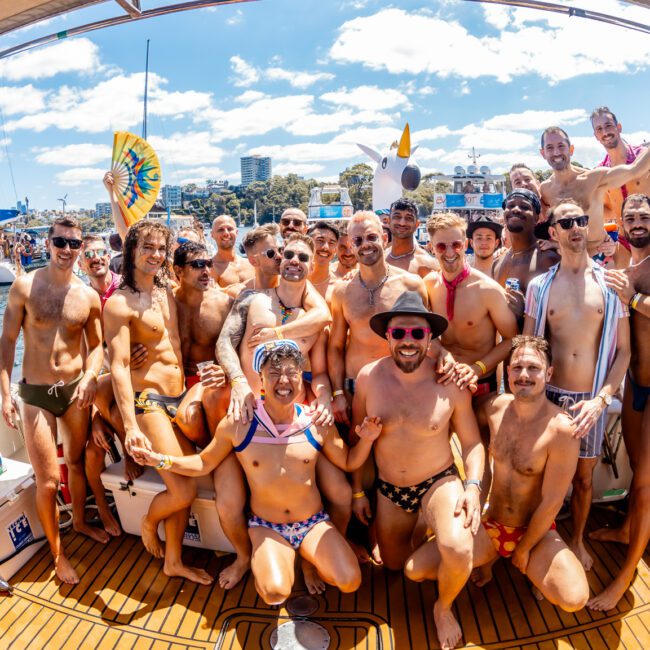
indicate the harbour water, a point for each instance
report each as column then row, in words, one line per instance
column 18, row 358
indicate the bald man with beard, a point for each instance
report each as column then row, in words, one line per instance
column 228, row 269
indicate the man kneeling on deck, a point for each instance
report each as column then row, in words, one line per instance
column 278, row 452
column 416, row 470
column 535, row 454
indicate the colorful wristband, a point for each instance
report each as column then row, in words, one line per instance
column 336, row 393
column 634, row 301
column 358, row 495
column 238, row 380
column 165, row 462
column 482, row 366
column 278, row 333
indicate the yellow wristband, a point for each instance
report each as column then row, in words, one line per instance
column 336, row 393
column 165, row 462
column 358, row 495
column 238, row 380
column 635, row 300
column 92, row 372
column 278, row 333
column 482, row 366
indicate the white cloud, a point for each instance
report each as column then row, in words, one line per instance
column 78, row 55
column 537, row 120
column 245, row 73
column 249, row 96
column 236, row 18
column 368, row 96
column 302, row 169
column 186, row 149
column 318, row 123
column 494, row 139
column 74, row 154
column 554, row 47
column 296, row 78
column 196, row 175
column 21, row 100
column 434, row 133
column 80, row 175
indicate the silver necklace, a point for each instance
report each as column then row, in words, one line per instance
column 371, row 290
column 401, row 257
column 641, row 262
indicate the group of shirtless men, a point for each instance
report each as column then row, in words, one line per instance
column 329, row 340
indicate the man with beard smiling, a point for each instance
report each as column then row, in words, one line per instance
column 415, row 464
column 404, row 252
column 633, row 288
column 534, row 455
column 524, row 260
column 588, row 329
column 325, row 237
column 346, row 259
column 292, row 220
column 228, row 269
column 585, row 186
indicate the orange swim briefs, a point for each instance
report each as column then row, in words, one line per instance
column 505, row 538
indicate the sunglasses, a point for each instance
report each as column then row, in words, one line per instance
column 293, row 222
column 62, row 242
column 372, row 238
column 457, row 246
column 200, row 264
column 271, row 253
column 100, row 252
column 567, row 222
column 302, row 257
column 416, row 333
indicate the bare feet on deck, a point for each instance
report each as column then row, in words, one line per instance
column 313, row 581
column 232, row 574
column 620, row 535
column 189, row 573
column 482, row 575
column 65, row 571
column 581, row 553
column 363, row 557
column 98, row 534
column 447, row 628
column 608, row 598
column 150, row 538
column 131, row 469
column 111, row 525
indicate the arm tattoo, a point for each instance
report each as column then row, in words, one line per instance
column 232, row 333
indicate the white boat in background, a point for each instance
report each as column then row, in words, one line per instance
column 7, row 274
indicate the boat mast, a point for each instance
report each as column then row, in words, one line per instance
column 146, row 89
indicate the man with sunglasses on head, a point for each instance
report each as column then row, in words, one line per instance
column 325, row 237
column 143, row 310
column 229, row 269
column 292, row 220
column 57, row 313
column 404, row 252
column 588, row 329
column 416, row 473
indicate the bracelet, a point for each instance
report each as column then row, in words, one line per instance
column 278, row 333
column 336, row 393
column 634, row 301
column 238, row 380
column 482, row 366
column 92, row 372
column 165, row 462
column 473, row 481
column 358, row 495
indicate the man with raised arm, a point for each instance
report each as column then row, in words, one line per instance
column 404, row 252
column 278, row 452
column 588, row 329
column 534, row 454
column 143, row 311
column 415, row 464
column 57, row 312
column 633, row 288
column 585, row 186
column 229, row 269
column 325, row 237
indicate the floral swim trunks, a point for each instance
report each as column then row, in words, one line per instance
column 295, row 532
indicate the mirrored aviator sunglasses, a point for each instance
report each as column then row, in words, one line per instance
column 100, row 252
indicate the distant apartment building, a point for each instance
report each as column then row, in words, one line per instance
column 102, row 210
column 255, row 168
column 172, row 196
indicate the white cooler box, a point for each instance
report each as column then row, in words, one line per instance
column 19, row 523
column 132, row 502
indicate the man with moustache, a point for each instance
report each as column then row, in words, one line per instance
column 633, row 288
column 415, row 464
column 586, row 186
column 57, row 313
column 292, row 220
column 525, row 259
column 346, row 261
column 325, row 237
column 588, row 329
column 228, row 269
column 404, row 252
column 534, row 454
column 484, row 235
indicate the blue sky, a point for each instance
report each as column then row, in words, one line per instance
column 304, row 80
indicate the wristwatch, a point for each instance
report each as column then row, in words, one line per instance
column 473, row 481
column 605, row 398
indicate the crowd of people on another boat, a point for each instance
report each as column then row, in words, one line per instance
column 319, row 379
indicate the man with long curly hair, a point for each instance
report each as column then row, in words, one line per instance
column 143, row 311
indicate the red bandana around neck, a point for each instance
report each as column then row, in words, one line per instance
column 451, row 289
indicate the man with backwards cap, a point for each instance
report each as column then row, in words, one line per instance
column 415, row 464
column 278, row 452
column 485, row 237
column 525, row 260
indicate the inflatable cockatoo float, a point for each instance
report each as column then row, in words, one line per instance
column 396, row 171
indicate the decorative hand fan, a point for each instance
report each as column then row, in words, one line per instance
column 136, row 176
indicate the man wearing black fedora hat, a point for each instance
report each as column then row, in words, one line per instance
column 415, row 464
column 485, row 237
